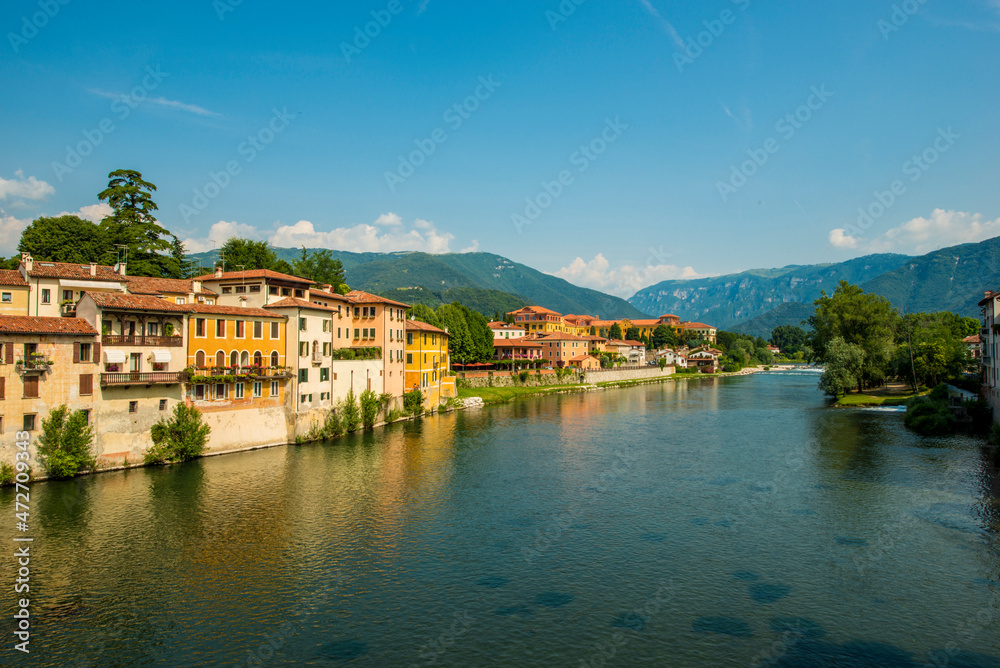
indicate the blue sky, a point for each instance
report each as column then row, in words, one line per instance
column 602, row 144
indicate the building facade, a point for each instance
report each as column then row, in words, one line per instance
column 428, row 367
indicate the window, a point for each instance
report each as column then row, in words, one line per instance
column 409, row 358
column 274, row 358
column 286, row 292
column 199, row 392
column 324, row 374
column 199, row 327
column 258, row 359
column 86, row 350
column 258, row 390
column 1, row 424
column 338, row 332
column 409, row 339
column 152, row 329
column 46, row 299
column 357, row 333
column 326, row 325
column 86, row 384
column 303, row 375
column 302, row 324
column 220, row 359
column 271, row 290
column 258, row 329
column 227, row 291
column 67, row 295
column 255, row 288
column 220, row 329
column 274, row 330
column 241, row 329
column 133, row 406
column 302, row 399
column 220, row 391
column 357, row 312
column 31, row 387
column 241, row 289
column 303, row 349
column 7, row 297
column 181, row 300
column 234, row 359
column 240, row 389
column 163, row 404
column 274, row 388
column 28, row 423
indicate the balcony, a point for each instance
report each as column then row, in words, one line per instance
column 237, row 374
column 143, row 378
column 34, row 364
column 140, row 340
column 67, row 310
column 317, row 357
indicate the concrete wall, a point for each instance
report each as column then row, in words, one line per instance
column 119, row 434
column 233, row 430
column 549, row 377
column 607, row 375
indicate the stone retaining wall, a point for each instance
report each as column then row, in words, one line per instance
column 548, row 377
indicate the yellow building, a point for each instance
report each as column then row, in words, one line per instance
column 238, row 357
column 539, row 320
column 428, row 367
column 13, row 293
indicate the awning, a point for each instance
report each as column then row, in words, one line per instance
column 114, row 356
column 91, row 285
column 161, row 357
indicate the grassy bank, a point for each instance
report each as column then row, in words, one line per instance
column 891, row 396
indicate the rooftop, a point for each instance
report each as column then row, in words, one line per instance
column 254, row 273
column 362, row 297
column 215, row 309
column 23, row 324
column 117, row 300
column 149, row 285
column 12, row 277
column 291, row 302
column 424, row 327
column 78, row 271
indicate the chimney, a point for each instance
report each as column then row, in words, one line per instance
column 218, row 271
column 121, row 269
column 93, row 269
column 326, row 288
column 27, row 261
column 196, row 286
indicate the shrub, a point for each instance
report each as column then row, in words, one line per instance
column 370, row 408
column 413, row 402
column 393, row 415
column 334, row 425
column 929, row 417
column 6, row 474
column 351, row 413
column 523, row 376
column 64, row 448
column 179, row 438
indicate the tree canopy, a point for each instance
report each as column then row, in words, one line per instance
column 250, row 254
column 323, row 268
column 64, row 239
column 152, row 249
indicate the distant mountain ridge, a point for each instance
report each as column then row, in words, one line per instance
column 388, row 272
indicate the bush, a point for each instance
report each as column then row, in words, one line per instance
column 351, row 412
column 413, row 402
column 393, row 415
column 6, row 474
column 334, row 425
column 994, row 437
column 523, row 376
column 179, row 438
column 926, row 416
column 64, row 448
column 370, row 408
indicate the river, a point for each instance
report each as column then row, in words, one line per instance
column 709, row 522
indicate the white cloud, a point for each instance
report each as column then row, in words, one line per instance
column 667, row 25
column 161, row 101
column 218, row 234
column 624, row 281
column 24, row 188
column 95, row 213
column 366, row 238
column 10, row 232
column 388, row 220
column 922, row 235
column 474, row 248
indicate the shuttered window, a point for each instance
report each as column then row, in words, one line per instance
column 86, row 384
column 31, row 387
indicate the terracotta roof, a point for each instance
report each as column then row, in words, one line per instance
column 580, row 358
column 150, row 285
column 594, row 338
column 534, row 309
column 635, row 344
column 23, row 324
column 362, row 297
column 254, row 273
column 323, row 294
column 215, row 309
column 504, row 325
column 696, row 325
column 12, row 277
column 424, row 327
column 669, row 315
column 78, row 271
column 972, row 339
column 291, row 302
column 516, row 343
column 560, row 336
column 117, row 300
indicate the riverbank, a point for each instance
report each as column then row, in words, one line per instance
column 895, row 394
column 500, row 395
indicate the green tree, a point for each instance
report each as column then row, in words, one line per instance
column 321, row 267
column 844, row 365
column 64, row 239
column 370, row 407
column 350, row 412
column 413, row 402
column 425, row 313
column 65, row 447
column 179, row 438
column 865, row 320
column 663, row 337
column 764, row 356
column 615, row 332
column 249, row 254
column 461, row 345
column 789, row 338
column 632, row 334
column 151, row 250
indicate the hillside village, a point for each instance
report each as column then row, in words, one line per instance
column 265, row 356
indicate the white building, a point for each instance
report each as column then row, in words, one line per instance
column 989, row 334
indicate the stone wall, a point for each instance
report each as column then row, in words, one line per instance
column 549, row 377
column 642, row 373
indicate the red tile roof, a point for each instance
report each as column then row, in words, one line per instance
column 535, row 309
column 669, row 315
column 215, row 309
column 23, row 324
column 77, row 271
column 12, row 277
column 516, row 343
column 116, row 300
column 972, row 339
column 580, row 358
column 323, row 294
column 149, row 285
column 635, row 344
column 254, row 273
column 696, row 325
column 362, row 297
column 424, row 327
column 291, row 302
